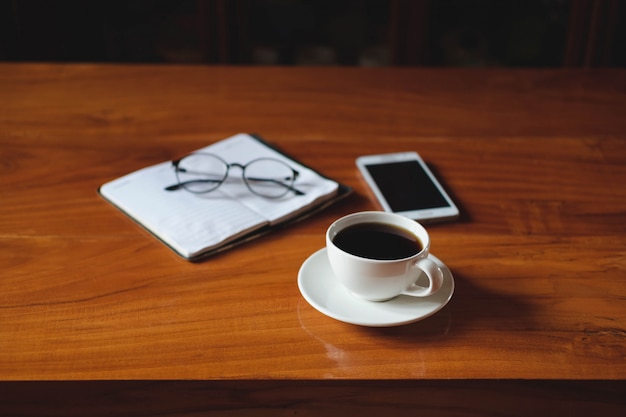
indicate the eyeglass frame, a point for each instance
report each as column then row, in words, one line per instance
column 288, row 188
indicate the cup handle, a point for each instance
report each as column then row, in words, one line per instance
column 435, row 279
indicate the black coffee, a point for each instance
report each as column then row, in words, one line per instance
column 377, row 241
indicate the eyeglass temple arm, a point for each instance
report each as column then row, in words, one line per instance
column 179, row 185
column 289, row 187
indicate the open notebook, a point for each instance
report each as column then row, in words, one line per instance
column 198, row 225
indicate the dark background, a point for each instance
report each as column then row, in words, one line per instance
column 522, row 33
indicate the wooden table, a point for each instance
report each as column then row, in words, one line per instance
column 99, row 318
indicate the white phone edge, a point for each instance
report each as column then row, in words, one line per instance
column 431, row 215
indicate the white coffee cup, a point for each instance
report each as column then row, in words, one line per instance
column 374, row 278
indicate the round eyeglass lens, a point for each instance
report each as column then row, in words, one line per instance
column 269, row 177
column 201, row 173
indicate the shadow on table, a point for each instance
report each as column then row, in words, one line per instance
column 472, row 308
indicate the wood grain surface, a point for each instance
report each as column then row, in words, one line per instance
column 536, row 160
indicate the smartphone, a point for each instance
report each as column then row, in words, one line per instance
column 403, row 184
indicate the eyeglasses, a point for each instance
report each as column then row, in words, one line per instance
column 201, row 173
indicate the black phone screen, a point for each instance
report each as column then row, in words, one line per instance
column 406, row 186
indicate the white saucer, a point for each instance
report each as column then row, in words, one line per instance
column 319, row 287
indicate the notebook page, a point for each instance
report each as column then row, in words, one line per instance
column 187, row 222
